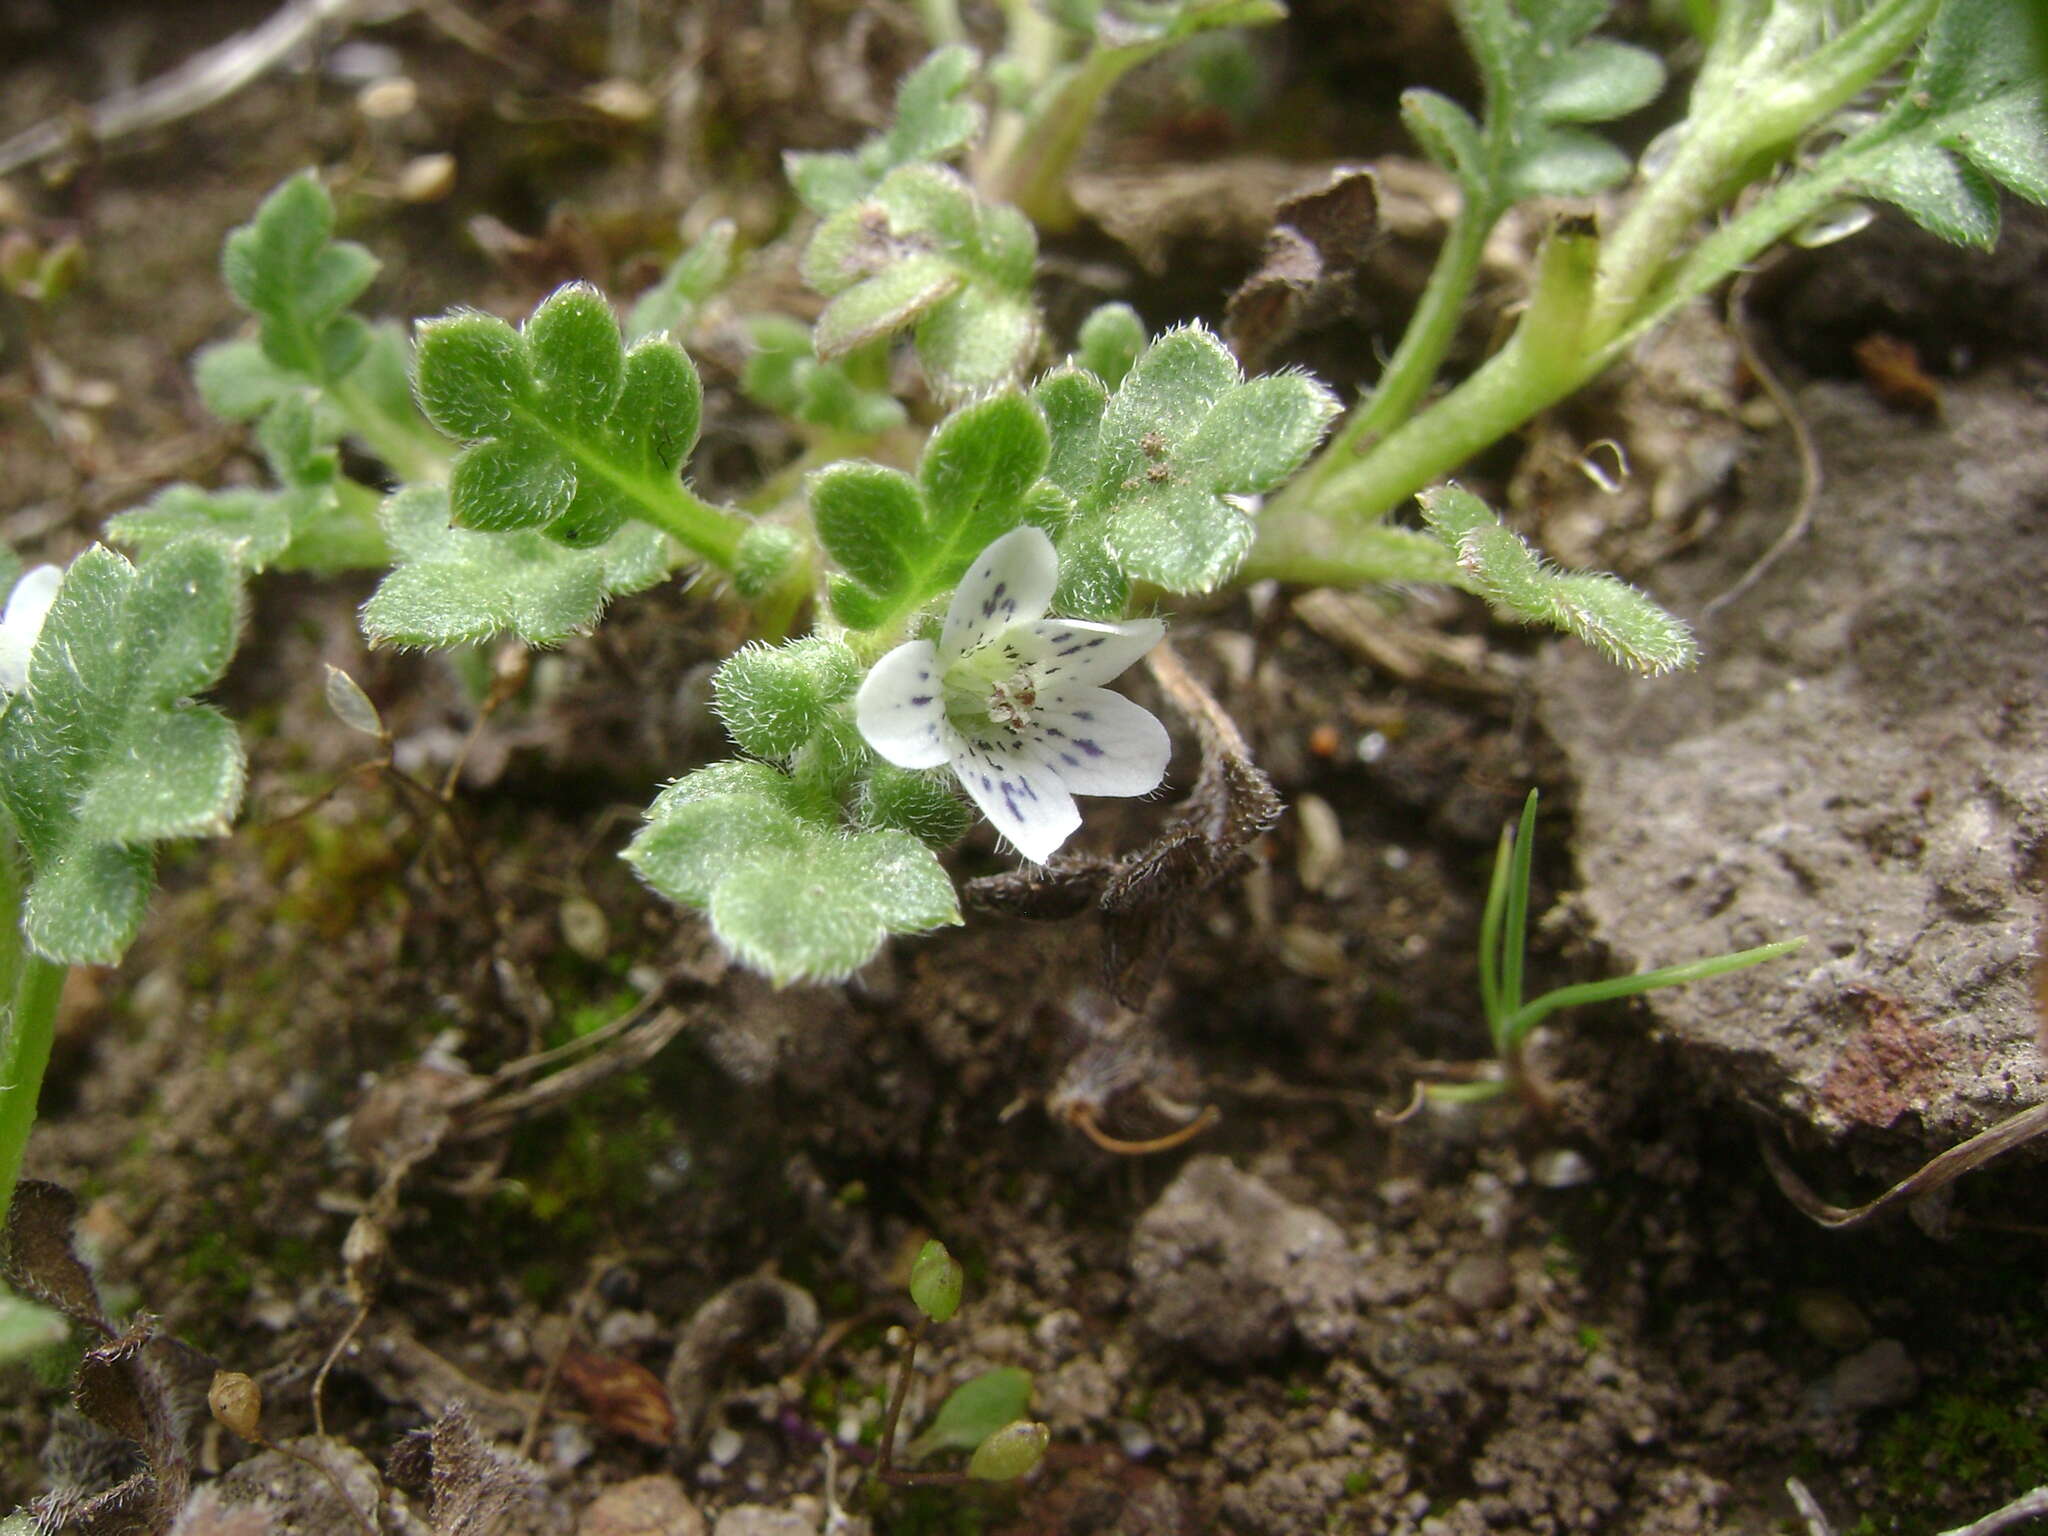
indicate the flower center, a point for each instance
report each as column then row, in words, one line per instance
column 992, row 684
column 1010, row 701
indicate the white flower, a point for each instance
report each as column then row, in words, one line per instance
column 27, row 606
column 1010, row 699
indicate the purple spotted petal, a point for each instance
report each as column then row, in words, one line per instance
column 1018, row 793
column 1099, row 742
column 1072, row 653
column 1009, row 583
column 900, row 708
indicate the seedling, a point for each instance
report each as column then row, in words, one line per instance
column 984, row 1416
column 1503, row 942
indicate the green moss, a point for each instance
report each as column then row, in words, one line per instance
column 1982, row 1436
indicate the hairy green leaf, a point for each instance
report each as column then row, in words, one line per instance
column 1540, row 72
column 773, row 699
column 922, row 249
column 450, row 586
column 792, row 896
column 285, row 268
column 1109, row 342
column 1498, row 564
column 901, row 541
column 567, row 432
column 102, row 753
column 933, row 122
column 1973, row 116
column 1160, row 471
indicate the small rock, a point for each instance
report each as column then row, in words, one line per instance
column 1832, row 1319
column 1560, row 1168
column 760, row 1520
column 1480, row 1283
column 1224, row 1265
column 646, row 1506
column 1882, row 1376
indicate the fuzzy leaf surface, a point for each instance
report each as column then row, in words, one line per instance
column 1159, row 469
column 1972, row 118
column 1542, row 73
column 1496, row 563
column 934, row 122
column 103, row 753
column 923, row 249
column 901, row 540
column 792, row 896
column 452, row 586
column 566, row 431
column 285, row 268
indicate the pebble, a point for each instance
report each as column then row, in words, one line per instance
column 1882, row 1375
column 1480, row 1283
column 645, row 1506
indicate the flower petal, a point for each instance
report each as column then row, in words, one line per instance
column 1099, row 742
column 900, row 708
column 27, row 606
column 1018, row 793
column 1009, row 583
column 1072, row 653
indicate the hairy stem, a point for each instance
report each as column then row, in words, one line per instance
column 1413, row 368
column 29, row 989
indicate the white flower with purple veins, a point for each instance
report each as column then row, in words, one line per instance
column 27, row 606
column 1011, row 699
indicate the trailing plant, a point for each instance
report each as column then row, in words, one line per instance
column 940, row 586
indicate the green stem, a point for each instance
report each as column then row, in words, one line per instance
column 29, row 989
column 1416, row 361
column 1543, row 361
column 1748, row 111
column 1526, row 1018
column 410, row 449
column 1031, row 171
column 702, row 527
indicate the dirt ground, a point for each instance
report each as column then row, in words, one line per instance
column 670, row 1294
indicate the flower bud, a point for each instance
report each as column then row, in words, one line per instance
column 237, row 1402
column 1010, row 1452
column 936, row 1280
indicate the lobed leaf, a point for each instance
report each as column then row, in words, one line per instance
column 1542, row 74
column 452, row 586
column 922, row 249
column 1973, row 117
column 285, row 268
column 791, row 895
column 566, row 431
column 933, row 122
column 1162, row 472
column 1498, row 564
column 900, row 541
column 102, row 753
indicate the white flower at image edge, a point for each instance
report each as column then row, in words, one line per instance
column 27, row 606
column 1010, row 699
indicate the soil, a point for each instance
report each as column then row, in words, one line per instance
column 668, row 1302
